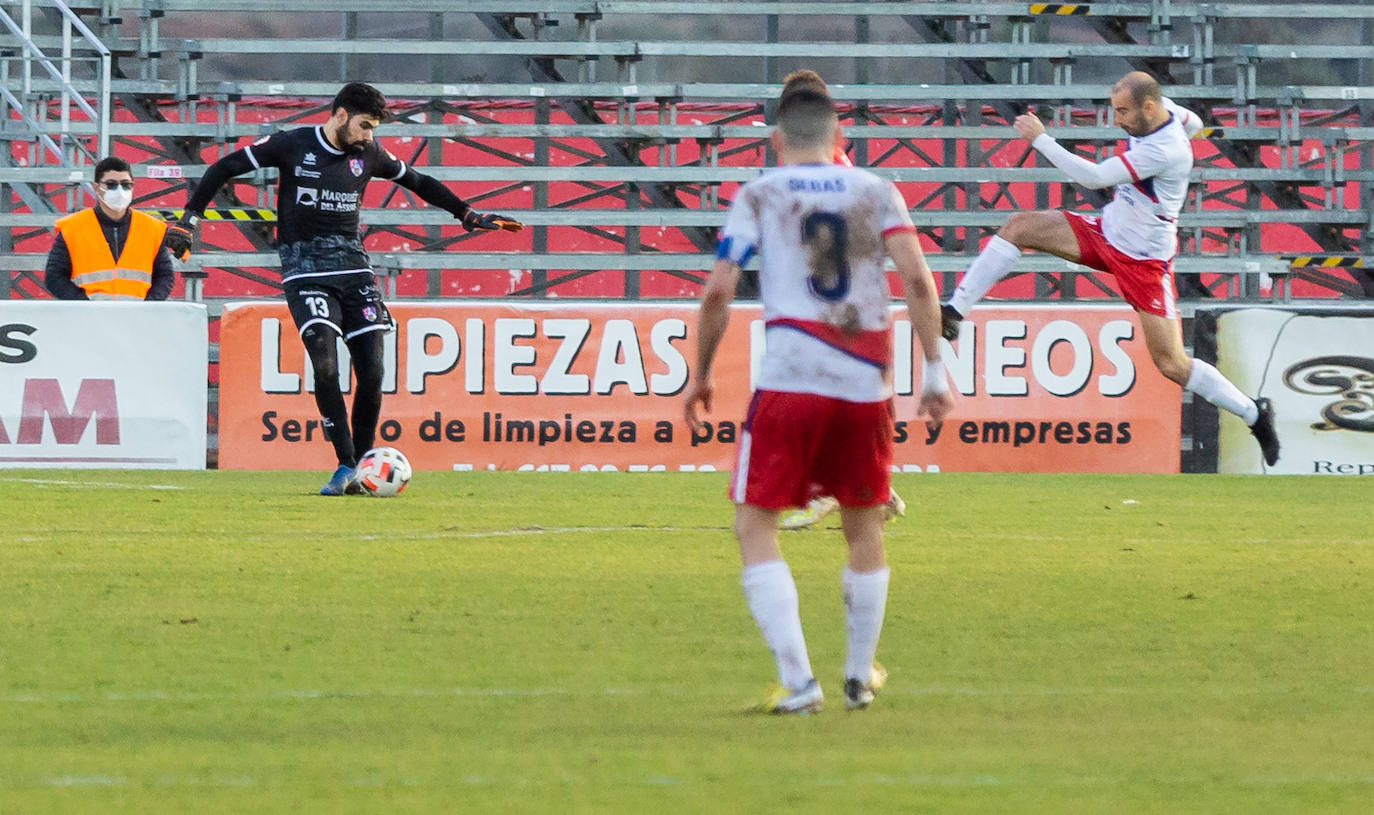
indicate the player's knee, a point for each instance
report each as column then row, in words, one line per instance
column 368, row 367
column 325, row 370
column 1018, row 228
column 323, row 353
column 369, row 377
column 1175, row 367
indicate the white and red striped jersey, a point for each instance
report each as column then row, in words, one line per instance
column 1151, row 180
column 1142, row 218
column 818, row 230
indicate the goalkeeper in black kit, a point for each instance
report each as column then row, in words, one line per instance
column 326, row 275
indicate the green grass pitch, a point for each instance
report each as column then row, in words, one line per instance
column 501, row 642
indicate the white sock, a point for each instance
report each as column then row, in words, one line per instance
column 1207, row 382
column 772, row 598
column 865, row 600
column 991, row 265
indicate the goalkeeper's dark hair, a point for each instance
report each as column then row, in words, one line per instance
column 806, row 113
column 360, row 97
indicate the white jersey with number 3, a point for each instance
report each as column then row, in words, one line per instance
column 818, row 230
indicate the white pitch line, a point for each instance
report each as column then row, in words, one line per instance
column 536, row 531
column 327, row 694
column 320, row 694
column 869, row 780
column 53, row 482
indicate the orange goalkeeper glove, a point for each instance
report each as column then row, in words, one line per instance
column 474, row 221
column 180, row 235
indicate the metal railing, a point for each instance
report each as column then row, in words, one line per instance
column 60, row 71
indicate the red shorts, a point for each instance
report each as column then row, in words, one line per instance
column 1148, row 285
column 794, row 444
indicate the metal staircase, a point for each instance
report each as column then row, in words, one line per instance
column 39, row 104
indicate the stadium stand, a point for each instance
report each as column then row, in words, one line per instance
column 620, row 145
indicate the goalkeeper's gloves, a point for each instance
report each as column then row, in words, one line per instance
column 180, row 235
column 474, row 221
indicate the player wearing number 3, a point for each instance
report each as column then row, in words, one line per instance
column 822, row 411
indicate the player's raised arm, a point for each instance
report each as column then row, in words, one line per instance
column 1092, row 175
column 433, row 192
column 180, row 236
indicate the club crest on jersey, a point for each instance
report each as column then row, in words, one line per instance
column 356, row 166
column 369, row 313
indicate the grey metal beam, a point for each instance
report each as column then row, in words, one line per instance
column 581, row 110
column 689, row 261
column 632, row 49
column 713, row 219
column 696, row 174
column 657, row 132
column 712, row 91
column 657, row 8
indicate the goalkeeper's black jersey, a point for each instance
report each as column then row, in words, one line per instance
column 321, row 187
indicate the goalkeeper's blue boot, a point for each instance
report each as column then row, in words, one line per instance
column 340, row 481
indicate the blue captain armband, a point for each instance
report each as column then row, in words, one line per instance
column 728, row 249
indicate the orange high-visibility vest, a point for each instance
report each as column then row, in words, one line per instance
column 94, row 268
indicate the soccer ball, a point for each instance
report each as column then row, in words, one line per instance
column 383, row 472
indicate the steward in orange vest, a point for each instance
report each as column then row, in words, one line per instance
column 111, row 251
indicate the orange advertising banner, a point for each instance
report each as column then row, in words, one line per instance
column 563, row 386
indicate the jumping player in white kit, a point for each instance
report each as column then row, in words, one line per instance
column 821, row 413
column 1135, row 239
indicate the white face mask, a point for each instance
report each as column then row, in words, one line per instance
column 117, row 199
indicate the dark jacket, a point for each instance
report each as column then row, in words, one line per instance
column 58, row 272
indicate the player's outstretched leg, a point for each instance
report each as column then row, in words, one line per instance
column 1164, row 339
column 1043, row 230
column 1263, row 431
column 991, row 265
column 1209, row 383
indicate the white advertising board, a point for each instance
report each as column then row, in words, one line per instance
column 102, row 385
column 1318, row 369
